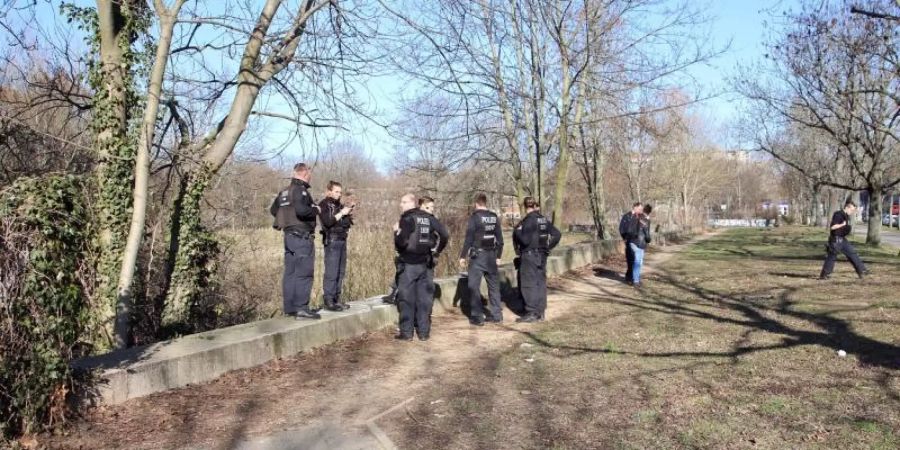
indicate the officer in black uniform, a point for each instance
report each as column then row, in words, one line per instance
column 533, row 239
column 625, row 227
column 481, row 251
column 336, row 222
column 295, row 214
column 838, row 242
column 419, row 239
column 391, row 298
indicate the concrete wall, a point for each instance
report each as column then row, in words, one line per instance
column 141, row 371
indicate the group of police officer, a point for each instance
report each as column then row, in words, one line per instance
column 419, row 239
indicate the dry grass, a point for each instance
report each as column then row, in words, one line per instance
column 253, row 262
column 731, row 345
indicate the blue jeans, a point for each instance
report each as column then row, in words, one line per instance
column 638, row 262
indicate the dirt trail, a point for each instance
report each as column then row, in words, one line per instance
column 324, row 392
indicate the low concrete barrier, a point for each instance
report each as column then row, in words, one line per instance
column 141, row 371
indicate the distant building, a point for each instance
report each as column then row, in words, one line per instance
column 782, row 206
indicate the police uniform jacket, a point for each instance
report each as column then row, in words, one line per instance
column 535, row 233
column 418, row 234
column 483, row 233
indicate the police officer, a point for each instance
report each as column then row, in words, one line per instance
column 838, row 242
column 533, row 239
column 624, row 230
column 295, row 214
column 638, row 237
column 419, row 239
column 481, row 251
column 391, row 298
column 336, row 222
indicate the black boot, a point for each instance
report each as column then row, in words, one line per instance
column 307, row 315
column 528, row 318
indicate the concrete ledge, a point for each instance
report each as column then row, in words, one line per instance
column 141, row 371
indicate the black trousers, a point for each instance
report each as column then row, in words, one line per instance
column 335, row 270
column 416, row 290
column 844, row 246
column 533, row 282
column 629, row 261
column 299, row 265
column 484, row 265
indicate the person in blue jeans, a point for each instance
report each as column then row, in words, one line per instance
column 638, row 233
column 624, row 230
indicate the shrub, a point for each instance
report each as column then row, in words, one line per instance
column 43, row 306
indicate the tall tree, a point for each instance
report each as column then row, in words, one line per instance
column 834, row 73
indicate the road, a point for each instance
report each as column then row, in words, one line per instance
column 888, row 237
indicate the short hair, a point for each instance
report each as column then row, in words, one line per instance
column 648, row 208
column 481, row 199
column 301, row 167
column 332, row 184
column 850, row 203
column 635, row 204
column 425, row 199
column 530, row 203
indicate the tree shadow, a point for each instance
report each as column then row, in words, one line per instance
column 801, row 275
column 754, row 311
column 609, row 274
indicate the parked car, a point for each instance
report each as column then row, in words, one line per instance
column 889, row 220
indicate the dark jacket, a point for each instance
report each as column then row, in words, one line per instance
column 640, row 231
column 535, row 233
column 334, row 227
column 303, row 210
column 624, row 224
column 418, row 232
column 838, row 218
column 483, row 232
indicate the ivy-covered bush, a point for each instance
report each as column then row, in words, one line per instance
column 43, row 306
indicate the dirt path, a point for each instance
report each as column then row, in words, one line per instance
column 329, row 396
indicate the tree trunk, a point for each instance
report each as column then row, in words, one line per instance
column 816, row 206
column 873, row 232
column 562, row 163
column 124, row 298
column 197, row 247
column 509, row 127
column 115, row 156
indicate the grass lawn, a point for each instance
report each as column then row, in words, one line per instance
column 731, row 344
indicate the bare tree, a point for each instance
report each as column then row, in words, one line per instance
column 834, row 73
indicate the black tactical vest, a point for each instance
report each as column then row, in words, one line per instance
column 543, row 234
column 422, row 240
column 286, row 218
column 540, row 240
column 485, row 237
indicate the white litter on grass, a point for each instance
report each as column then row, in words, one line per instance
column 842, row 353
column 440, row 400
column 525, row 345
column 530, row 359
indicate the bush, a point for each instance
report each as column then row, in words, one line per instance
column 43, row 306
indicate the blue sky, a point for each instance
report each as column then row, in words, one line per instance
column 742, row 22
